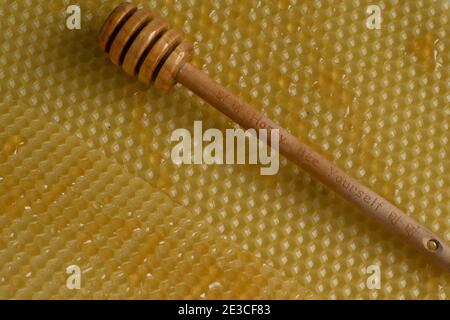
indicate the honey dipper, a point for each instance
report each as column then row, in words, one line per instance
column 144, row 45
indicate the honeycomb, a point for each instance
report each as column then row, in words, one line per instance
column 86, row 177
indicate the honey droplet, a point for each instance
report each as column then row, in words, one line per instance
column 12, row 145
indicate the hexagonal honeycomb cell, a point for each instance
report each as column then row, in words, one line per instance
column 86, row 177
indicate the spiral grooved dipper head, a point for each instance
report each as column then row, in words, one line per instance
column 144, row 45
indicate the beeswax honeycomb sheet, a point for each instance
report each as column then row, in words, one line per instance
column 86, row 177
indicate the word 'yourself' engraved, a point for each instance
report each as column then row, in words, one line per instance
column 354, row 190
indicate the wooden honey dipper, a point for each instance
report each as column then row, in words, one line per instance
column 145, row 46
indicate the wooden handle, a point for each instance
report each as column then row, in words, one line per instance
column 311, row 161
column 145, row 46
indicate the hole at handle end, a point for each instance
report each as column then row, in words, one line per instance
column 432, row 245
